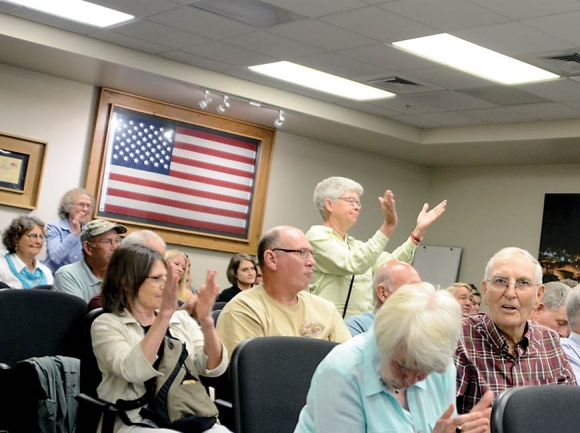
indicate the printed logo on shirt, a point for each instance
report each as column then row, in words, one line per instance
column 311, row 329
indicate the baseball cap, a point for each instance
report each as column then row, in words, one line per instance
column 98, row 227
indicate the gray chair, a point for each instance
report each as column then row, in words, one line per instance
column 537, row 409
column 271, row 377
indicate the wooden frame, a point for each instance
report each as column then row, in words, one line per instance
column 187, row 212
column 21, row 166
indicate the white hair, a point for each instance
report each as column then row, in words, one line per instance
column 333, row 188
column 508, row 252
column 573, row 307
column 555, row 295
column 424, row 321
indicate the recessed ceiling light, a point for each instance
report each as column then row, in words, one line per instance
column 77, row 10
column 320, row 81
column 468, row 57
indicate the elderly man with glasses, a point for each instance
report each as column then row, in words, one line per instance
column 502, row 349
column 99, row 239
column 280, row 305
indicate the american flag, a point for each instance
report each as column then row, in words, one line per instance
column 178, row 175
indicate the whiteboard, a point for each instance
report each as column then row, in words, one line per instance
column 438, row 265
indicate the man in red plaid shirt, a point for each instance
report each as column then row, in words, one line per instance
column 502, row 349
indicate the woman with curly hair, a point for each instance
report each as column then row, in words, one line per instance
column 24, row 239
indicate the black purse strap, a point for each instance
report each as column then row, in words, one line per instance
column 347, row 297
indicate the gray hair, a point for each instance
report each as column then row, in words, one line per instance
column 143, row 237
column 333, row 188
column 555, row 295
column 271, row 238
column 510, row 252
column 424, row 321
column 453, row 287
column 68, row 200
column 384, row 277
column 573, row 307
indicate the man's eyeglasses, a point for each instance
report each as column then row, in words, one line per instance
column 35, row 237
column 351, row 201
column 521, row 285
column 109, row 242
column 158, row 280
column 303, row 252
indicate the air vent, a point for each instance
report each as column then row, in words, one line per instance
column 398, row 85
column 575, row 58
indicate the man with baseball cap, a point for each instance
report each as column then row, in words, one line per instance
column 100, row 239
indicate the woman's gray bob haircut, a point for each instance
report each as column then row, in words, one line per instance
column 422, row 320
column 333, row 188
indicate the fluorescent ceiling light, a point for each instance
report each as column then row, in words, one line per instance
column 321, row 81
column 77, row 10
column 474, row 59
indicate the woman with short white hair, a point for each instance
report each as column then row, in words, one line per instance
column 399, row 376
column 344, row 266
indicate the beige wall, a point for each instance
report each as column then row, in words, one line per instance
column 495, row 207
column 61, row 112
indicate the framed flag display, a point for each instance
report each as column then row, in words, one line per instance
column 194, row 178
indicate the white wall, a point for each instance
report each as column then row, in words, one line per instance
column 61, row 112
column 495, row 207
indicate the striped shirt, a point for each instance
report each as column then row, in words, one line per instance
column 484, row 362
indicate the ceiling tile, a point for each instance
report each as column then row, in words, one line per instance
column 129, row 41
column 416, row 121
column 503, row 95
column 339, row 65
column 199, row 61
column 317, row 8
column 322, row 35
column 447, row 77
column 450, row 100
column 272, row 45
column 498, row 115
column 451, row 119
column 54, row 21
column 227, row 53
column 387, row 57
column 8, row 7
column 445, row 15
column 369, row 108
column 520, row 10
column 563, row 26
column 548, row 111
column 405, row 105
column 380, row 24
column 138, row 8
column 201, row 22
column 512, row 39
column 561, row 90
column 158, row 33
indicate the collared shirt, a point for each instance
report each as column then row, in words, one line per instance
column 77, row 279
column 347, row 395
column 9, row 278
column 484, row 362
column 571, row 346
column 337, row 260
column 62, row 247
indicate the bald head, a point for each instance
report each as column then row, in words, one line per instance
column 389, row 277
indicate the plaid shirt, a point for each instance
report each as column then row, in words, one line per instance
column 484, row 362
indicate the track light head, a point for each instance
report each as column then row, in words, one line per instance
column 280, row 120
column 205, row 101
column 224, row 105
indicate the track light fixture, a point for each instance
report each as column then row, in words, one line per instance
column 224, row 105
column 280, row 120
column 205, row 101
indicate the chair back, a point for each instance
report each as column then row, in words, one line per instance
column 43, row 287
column 537, row 409
column 215, row 314
column 219, row 305
column 271, row 377
column 39, row 323
column 88, row 416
